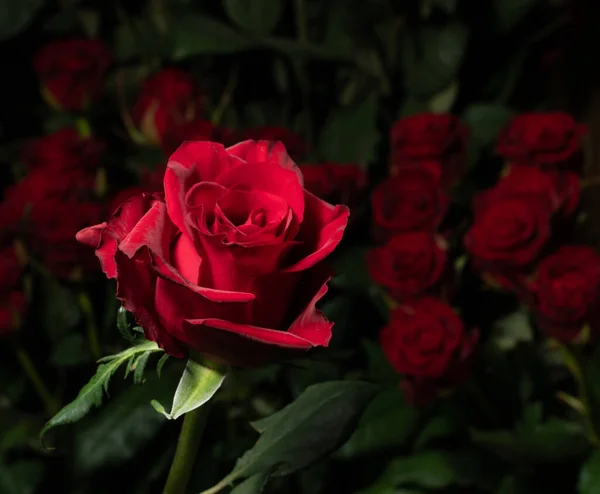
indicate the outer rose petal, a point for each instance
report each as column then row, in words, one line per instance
column 321, row 231
column 106, row 237
column 266, row 151
column 156, row 232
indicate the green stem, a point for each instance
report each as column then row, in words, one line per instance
column 50, row 405
column 187, row 447
column 573, row 362
column 225, row 482
column 92, row 330
column 301, row 21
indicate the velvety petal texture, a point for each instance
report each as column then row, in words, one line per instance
column 230, row 262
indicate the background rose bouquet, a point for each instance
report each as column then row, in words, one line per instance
column 347, row 247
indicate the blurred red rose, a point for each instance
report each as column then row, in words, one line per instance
column 412, row 200
column 71, row 72
column 229, row 262
column 542, row 139
column 293, row 142
column 167, row 100
column 430, row 137
column 567, row 292
column 12, row 299
column 63, row 149
column 195, row 130
column 559, row 190
column 509, row 232
column 46, row 209
column 425, row 338
column 334, row 182
column 409, row 264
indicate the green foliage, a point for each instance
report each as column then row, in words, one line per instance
column 16, row 15
column 589, row 478
column 21, row 477
column 257, row 16
column 91, row 394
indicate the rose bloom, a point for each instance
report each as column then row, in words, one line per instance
column 567, row 292
column 409, row 264
column 542, row 139
column 12, row 298
column 430, row 137
column 508, row 231
column 71, row 72
column 412, row 200
column 63, row 149
column 293, row 142
column 229, row 262
column 46, row 209
column 167, row 100
column 558, row 190
column 333, row 181
column 424, row 337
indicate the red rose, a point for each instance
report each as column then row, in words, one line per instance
column 293, row 142
column 62, row 149
column 46, row 209
column 413, row 200
column 333, row 181
column 425, row 338
column 558, row 190
column 409, row 264
column 542, row 139
column 71, row 72
column 12, row 299
column 508, row 231
column 229, row 263
column 430, row 137
column 167, row 100
column 567, row 291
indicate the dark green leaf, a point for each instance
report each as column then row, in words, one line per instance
column 17, row 430
column 509, row 13
column 378, row 365
column 387, row 422
column 72, row 350
column 552, row 441
column 195, row 34
column 429, row 470
column 253, row 485
column 21, row 477
column 351, row 270
column 308, row 429
column 485, row 122
column 511, row 330
column 16, row 15
column 589, row 477
column 350, row 134
column 200, row 380
column 161, row 363
column 433, row 58
column 140, row 366
column 124, row 426
column 91, row 394
column 298, row 49
column 438, row 427
column 256, row 16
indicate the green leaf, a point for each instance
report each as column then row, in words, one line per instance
column 308, row 429
column 253, row 485
column 350, row 134
column 20, row 477
column 553, row 441
column 438, row 427
column 486, row 121
column 91, row 394
column 443, row 101
column 351, row 272
column 17, row 430
column 589, row 477
column 121, row 429
column 378, row 365
column 139, row 366
column 200, row 381
column 429, row 470
column 256, row 16
column 433, row 58
column 16, row 15
column 161, row 363
column 509, row 13
column 196, row 34
column 387, row 422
